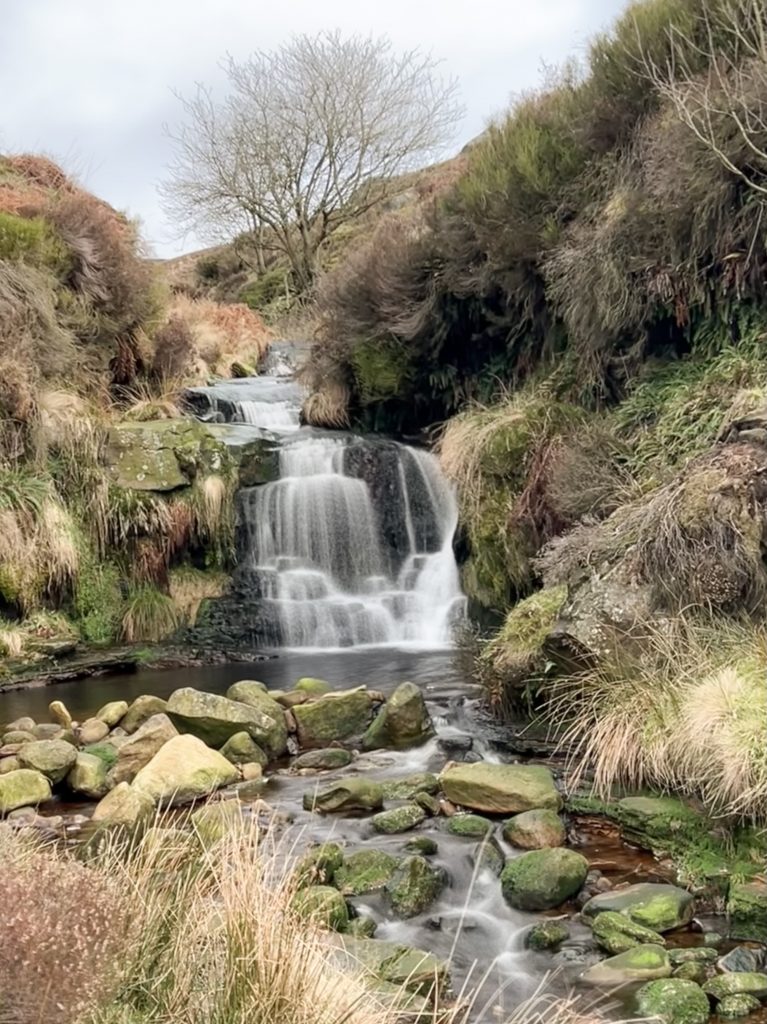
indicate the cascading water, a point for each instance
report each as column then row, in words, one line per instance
column 352, row 545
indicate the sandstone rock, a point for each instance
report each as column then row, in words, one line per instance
column 9, row 764
column 53, row 758
column 674, row 1001
column 88, row 776
column 500, row 788
column 17, row 738
column 534, row 830
column 23, row 788
column 470, row 825
column 313, row 687
column 113, row 712
column 93, row 730
column 243, row 749
column 51, row 731
column 248, row 691
column 215, row 719
column 652, row 904
column 543, row 879
column 401, row 723
column 141, row 710
column 347, row 795
column 409, row 786
column 324, row 760
column 644, row 963
column 139, row 749
column 184, row 769
column 337, row 716
column 124, row 805
column 25, row 724
column 398, row 819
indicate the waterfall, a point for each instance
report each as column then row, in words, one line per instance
column 353, row 544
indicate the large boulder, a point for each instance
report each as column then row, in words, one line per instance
column 162, row 455
column 23, row 788
column 500, row 788
column 113, row 712
column 652, row 904
column 346, row 795
column 324, row 905
column 615, row 933
column 543, row 879
column 141, row 710
column 184, row 769
column 414, row 886
column 213, row 719
column 139, row 749
column 52, row 758
column 365, row 871
column 674, row 1001
column 748, row 983
column 124, row 805
column 644, row 963
column 336, row 716
column 747, row 910
column 402, row 722
column 243, row 749
column 534, row 830
column 88, row 776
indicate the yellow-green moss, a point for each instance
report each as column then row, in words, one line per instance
column 33, row 240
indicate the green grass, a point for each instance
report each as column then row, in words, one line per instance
column 33, row 241
column 149, row 615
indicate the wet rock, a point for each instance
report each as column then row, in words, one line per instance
column 398, row 819
column 365, row 872
column 141, row 710
column 616, row 933
column 407, row 788
column 398, row 965
column 543, row 879
column 644, row 963
column 93, row 730
column 252, row 771
column 423, row 845
column 429, row 803
column 691, row 971
column 243, row 749
column 362, row 927
column 747, row 911
column 50, row 731
column 741, row 959
column 213, row 821
column 414, row 886
column 674, row 1001
column 17, row 738
column 652, row 904
column 547, row 935
column 139, row 749
column 713, row 939
column 215, row 719
column 741, row 1005
column 25, row 724
column 123, row 806
column 346, row 795
column 324, row 760
column 106, row 752
column 52, row 758
column 488, row 854
column 401, row 723
column 534, row 830
column 470, row 825
column 319, row 864
column 692, row 955
column 337, row 716
column 500, row 788
column 24, row 787
column 313, row 687
column 88, row 776
column 113, row 712
column 184, row 769
column 9, row 764
column 455, row 747
column 736, row 983
column 324, row 905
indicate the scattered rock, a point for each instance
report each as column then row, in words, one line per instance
column 113, row 712
column 215, row 820
column 471, row 825
column 324, row 760
column 741, row 1005
column 17, row 738
column 747, row 911
column 674, row 1001
column 414, row 886
column 424, row 845
column 547, row 935
column 713, row 939
column 401, row 723
column 408, row 787
column 737, row 983
column 741, row 959
column 644, row 963
column 347, row 795
column 93, row 730
column 652, row 904
column 337, row 716
column 397, row 965
column 692, row 955
column 534, row 830
column 365, row 872
column 543, row 879
column 691, row 972
column 429, row 803
column 25, row 724
column 139, row 749
column 184, row 769
column 488, row 854
column 319, row 864
column 123, row 806
column 398, row 819
column 214, row 719
column 616, row 933
column 106, row 752
column 141, row 710
column 362, row 927
column 51, row 731
column 455, row 746
column 24, row 787
column 88, row 776
column 313, row 687
column 9, row 764
column 500, row 788
column 60, row 714
column 52, row 758
column 324, row 904
column 243, row 749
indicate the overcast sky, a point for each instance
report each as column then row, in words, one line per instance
column 90, row 82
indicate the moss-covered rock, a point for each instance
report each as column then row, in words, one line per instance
column 423, row 845
column 473, row 826
column 733, row 1007
column 184, row 769
column 325, row 905
column 543, row 879
column 162, row 455
column 652, row 904
column 336, row 716
column 88, row 776
column 500, row 788
column 692, row 955
column 414, row 886
column 518, row 649
column 106, row 752
column 362, row 927
column 674, row 1001
column 324, row 760
column 402, row 722
column 113, row 712
column 214, row 719
column 616, row 933
column 346, row 795
column 313, row 687
column 398, row 819
column 488, row 855
column 547, row 935
column 690, row 972
column 408, row 787
column 748, row 983
column 123, row 806
column 643, row 963
column 365, row 871
column 534, row 830
column 52, row 758
column 24, row 787
column 320, row 864
column 139, row 749
column 249, row 691
column 402, row 966
column 747, row 910
column 243, row 749
column 141, row 710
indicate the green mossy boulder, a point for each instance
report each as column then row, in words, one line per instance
column 113, row 712
column 674, row 1001
column 690, row 972
column 162, row 455
column 336, row 716
column 543, row 879
column 184, row 769
column 616, row 933
column 488, row 855
column 398, row 819
column 213, row 821
column 395, row 964
column 88, row 776
column 324, row 760
column 52, row 758
column 362, row 927
column 747, row 910
column 243, row 749
column 140, row 747
column 365, row 871
column 414, row 886
column 749, row 983
column 473, row 826
column 652, row 904
column 500, row 788
column 534, row 830
column 24, row 787
column 643, row 963
column 693, row 955
column 409, row 786
column 423, row 845
column 313, row 687
column 249, row 691
column 547, row 935
column 401, row 723
column 347, row 795
column 123, row 806
column 214, row 719
column 319, row 864
column 733, row 1007
column 325, row 905
column 106, row 752
column 141, row 710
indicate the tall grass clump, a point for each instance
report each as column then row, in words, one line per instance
column 149, row 615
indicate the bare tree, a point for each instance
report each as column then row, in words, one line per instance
column 309, row 137
column 715, row 79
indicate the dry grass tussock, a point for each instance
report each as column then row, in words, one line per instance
column 221, row 335
column 689, row 716
column 190, row 587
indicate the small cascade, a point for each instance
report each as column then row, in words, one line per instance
column 271, row 403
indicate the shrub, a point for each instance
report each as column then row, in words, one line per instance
column 33, row 241
column 98, row 602
column 149, row 615
column 174, row 349
column 266, row 289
